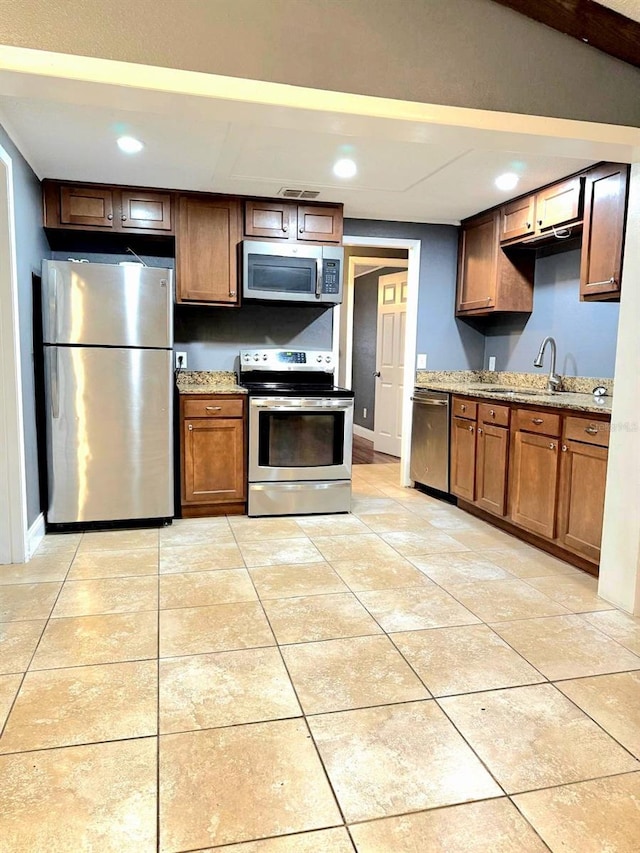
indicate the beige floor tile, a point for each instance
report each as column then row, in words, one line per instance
column 619, row 626
column 267, row 780
column 430, row 542
column 577, row 594
column 100, row 797
column 224, row 689
column 331, row 525
column 18, row 641
column 462, row 660
column 491, row 826
column 53, row 567
column 26, row 601
column 415, row 608
column 613, row 701
column 566, row 647
column 368, row 505
column 217, row 628
column 86, row 640
column 392, row 572
column 360, row 546
column 278, row 552
column 450, row 522
column 9, row 685
column 501, row 600
column 487, row 537
column 118, row 540
column 458, row 567
column 86, row 704
column 398, row 758
column 296, row 580
column 320, row 841
column 196, row 589
column 197, row 531
column 362, row 489
column 528, row 562
column 393, row 522
column 401, row 493
column 534, row 737
column 602, row 816
column 319, row 617
column 337, row 675
column 199, row 558
column 114, row 564
column 58, row 543
column 248, row 530
column 107, row 595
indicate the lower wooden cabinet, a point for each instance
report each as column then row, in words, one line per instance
column 213, row 455
column 491, row 468
column 534, row 483
column 463, row 458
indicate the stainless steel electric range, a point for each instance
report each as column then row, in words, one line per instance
column 300, row 433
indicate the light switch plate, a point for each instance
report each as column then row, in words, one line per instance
column 422, row 361
column 492, row 362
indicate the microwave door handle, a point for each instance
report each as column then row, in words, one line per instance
column 318, row 277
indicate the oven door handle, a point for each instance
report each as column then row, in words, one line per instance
column 304, row 407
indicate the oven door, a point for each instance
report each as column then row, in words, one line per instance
column 300, row 439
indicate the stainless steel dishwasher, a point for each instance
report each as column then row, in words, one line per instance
column 430, row 439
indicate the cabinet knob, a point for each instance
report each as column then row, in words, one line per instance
column 232, row 293
column 564, row 448
column 537, row 421
column 492, row 413
column 190, row 427
column 109, row 215
column 301, row 230
column 539, row 221
column 123, row 217
column 285, row 227
column 479, row 430
column 528, row 225
column 463, row 408
column 552, row 446
column 470, row 429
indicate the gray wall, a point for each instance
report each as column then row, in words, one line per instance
column 585, row 332
column 365, row 333
column 450, row 344
column 31, row 248
column 467, row 53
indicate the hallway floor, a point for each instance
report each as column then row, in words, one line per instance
column 406, row 679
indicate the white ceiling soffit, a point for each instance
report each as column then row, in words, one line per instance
column 412, row 165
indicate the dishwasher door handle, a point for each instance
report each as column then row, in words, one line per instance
column 430, row 402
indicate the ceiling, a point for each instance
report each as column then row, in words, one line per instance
column 407, row 170
column 628, row 8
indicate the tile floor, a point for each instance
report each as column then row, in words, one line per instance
column 406, row 679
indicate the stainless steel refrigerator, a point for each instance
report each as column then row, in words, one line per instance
column 108, row 336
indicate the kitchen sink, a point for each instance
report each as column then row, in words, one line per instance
column 495, row 389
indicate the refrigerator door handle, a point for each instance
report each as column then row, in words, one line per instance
column 55, row 383
column 53, row 306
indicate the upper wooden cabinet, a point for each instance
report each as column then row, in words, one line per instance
column 603, row 231
column 286, row 220
column 560, row 204
column 491, row 279
column 110, row 209
column 517, row 219
column 208, row 232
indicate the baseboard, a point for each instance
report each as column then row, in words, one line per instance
column 363, row 432
column 35, row 535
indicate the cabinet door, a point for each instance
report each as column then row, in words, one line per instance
column 559, row 204
column 207, row 237
column 517, row 219
column 477, row 268
column 213, row 463
column 270, row 219
column 491, row 468
column 603, row 232
column 145, row 211
column 533, row 483
column 91, row 206
column 322, row 224
column 463, row 458
column 583, row 475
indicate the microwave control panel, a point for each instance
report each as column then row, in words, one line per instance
column 330, row 276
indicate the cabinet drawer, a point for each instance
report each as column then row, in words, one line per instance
column 213, row 408
column 539, row 422
column 489, row 414
column 464, row 408
column 586, row 431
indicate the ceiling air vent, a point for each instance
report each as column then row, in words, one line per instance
column 288, row 193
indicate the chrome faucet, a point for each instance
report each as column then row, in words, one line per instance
column 553, row 382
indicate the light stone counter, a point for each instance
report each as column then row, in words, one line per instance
column 208, row 382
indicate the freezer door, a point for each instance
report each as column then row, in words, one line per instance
column 109, row 434
column 107, row 305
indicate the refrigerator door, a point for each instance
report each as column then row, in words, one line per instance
column 107, row 305
column 109, row 434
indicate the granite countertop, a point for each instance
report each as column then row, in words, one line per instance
column 526, row 388
column 208, row 382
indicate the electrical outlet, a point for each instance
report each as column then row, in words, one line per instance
column 422, row 361
column 492, row 362
column 364, row 413
column 181, row 360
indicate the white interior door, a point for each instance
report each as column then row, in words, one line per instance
column 392, row 324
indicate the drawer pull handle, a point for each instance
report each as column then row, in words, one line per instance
column 552, row 446
column 537, row 421
column 213, row 408
column 591, row 430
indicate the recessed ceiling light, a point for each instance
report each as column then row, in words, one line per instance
column 345, row 168
column 129, row 145
column 508, row 181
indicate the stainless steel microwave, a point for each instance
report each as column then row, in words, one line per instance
column 292, row 272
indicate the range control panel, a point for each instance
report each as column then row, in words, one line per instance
column 285, row 359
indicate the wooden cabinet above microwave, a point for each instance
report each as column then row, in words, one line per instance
column 287, row 220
